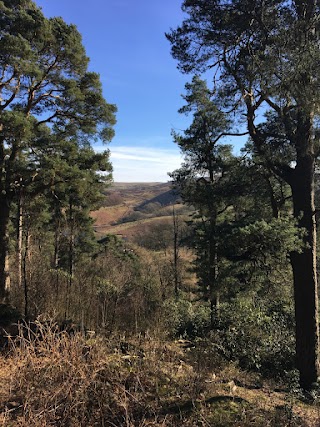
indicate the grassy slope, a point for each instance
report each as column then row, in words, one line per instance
column 131, row 196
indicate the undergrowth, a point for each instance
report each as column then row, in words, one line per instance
column 63, row 380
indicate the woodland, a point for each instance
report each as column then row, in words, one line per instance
column 190, row 303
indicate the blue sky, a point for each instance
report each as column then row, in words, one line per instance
column 125, row 42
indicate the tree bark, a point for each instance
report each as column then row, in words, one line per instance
column 175, row 252
column 71, row 258
column 19, row 237
column 305, row 274
column 213, row 246
column 4, row 250
column 26, row 256
column 304, row 266
column 56, row 254
column 213, row 267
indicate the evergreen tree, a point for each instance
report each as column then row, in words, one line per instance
column 71, row 201
column 203, row 177
column 266, row 55
column 45, row 89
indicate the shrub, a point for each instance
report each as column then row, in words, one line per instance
column 133, row 216
column 258, row 338
column 150, row 208
column 61, row 380
column 185, row 319
column 112, row 199
column 65, row 380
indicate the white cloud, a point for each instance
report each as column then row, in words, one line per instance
column 143, row 164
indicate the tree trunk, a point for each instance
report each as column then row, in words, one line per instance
column 56, row 254
column 213, row 247
column 213, row 268
column 305, row 273
column 176, row 252
column 71, row 258
column 304, row 266
column 4, row 250
column 26, row 256
column 19, row 238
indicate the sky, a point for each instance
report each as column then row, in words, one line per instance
column 125, row 41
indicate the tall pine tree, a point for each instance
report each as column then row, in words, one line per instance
column 266, row 55
column 45, row 87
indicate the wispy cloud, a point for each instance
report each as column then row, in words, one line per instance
column 144, row 164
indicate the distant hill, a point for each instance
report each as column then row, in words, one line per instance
column 134, row 193
column 130, row 207
column 167, row 198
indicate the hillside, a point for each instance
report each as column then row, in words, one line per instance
column 129, row 207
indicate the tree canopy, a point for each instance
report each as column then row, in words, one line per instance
column 47, row 97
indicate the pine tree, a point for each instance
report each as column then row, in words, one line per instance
column 266, row 55
column 202, row 179
column 45, row 92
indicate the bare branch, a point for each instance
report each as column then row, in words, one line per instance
column 229, row 134
column 48, row 119
column 12, row 97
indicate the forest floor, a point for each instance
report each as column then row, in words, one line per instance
column 69, row 381
column 7, row 398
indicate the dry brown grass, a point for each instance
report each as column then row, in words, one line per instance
column 104, row 217
column 132, row 194
column 53, row 379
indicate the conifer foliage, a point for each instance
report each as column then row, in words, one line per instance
column 264, row 60
column 49, row 103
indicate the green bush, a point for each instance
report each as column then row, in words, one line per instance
column 258, row 338
column 185, row 319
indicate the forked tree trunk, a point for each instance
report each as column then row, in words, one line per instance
column 305, row 274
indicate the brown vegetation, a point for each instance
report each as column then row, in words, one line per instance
column 54, row 379
column 137, row 205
